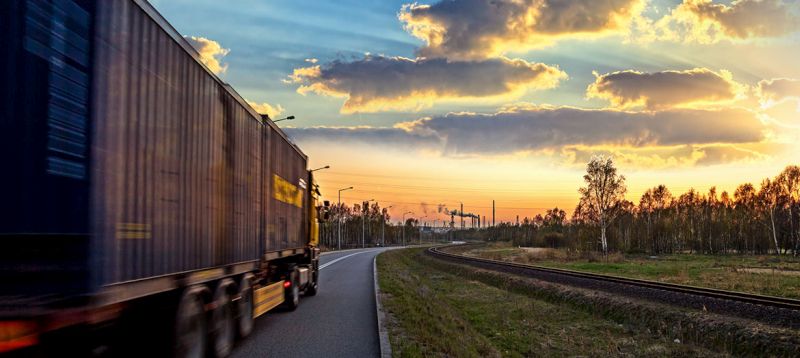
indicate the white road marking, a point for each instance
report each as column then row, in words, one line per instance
column 342, row 258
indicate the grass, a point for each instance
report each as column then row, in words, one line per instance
column 767, row 275
column 436, row 313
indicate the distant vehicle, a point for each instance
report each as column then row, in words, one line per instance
column 141, row 197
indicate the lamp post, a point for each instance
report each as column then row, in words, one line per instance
column 265, row 117
column 339, row 219
column 383, row 226
column 289, row 118
column 325, row 167
column 404, row 226
column 364, row 211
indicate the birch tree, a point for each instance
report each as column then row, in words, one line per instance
column 604, row 189
column 769, row 199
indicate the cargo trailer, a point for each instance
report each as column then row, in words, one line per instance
column 136, row 184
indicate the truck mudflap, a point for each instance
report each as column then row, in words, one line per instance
column 267, row 298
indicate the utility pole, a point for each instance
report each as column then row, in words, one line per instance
column 492, row 213
column 462, row 216
column 339, row 219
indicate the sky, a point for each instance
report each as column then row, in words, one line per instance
column 427, row 105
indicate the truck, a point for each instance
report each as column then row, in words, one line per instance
column 144, row 205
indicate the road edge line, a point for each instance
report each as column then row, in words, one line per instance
column 383, row 332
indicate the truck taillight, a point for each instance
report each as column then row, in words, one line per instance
column 287, row 284
column 17, row 334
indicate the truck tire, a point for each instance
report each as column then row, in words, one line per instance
column 292, row 293
column 222, row 327
column 313, row 286
column 190, row 327
column 244, row 310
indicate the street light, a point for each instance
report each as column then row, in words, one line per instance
column 265, row 117
column 364, row 211
column 339, row 219
column 404, row 226
column 325, row 167
column 383, row 226
column 289, row 118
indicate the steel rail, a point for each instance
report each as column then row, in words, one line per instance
column 772, row 301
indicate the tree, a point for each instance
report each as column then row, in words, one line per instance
column 769, row 198
column 789, row 182
column 604, row 190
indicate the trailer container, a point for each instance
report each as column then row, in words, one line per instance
column 134, row 177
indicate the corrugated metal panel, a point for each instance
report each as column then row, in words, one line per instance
column 180, row 168
column 179, row 174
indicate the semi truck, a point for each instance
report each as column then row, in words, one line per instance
column 144, row 205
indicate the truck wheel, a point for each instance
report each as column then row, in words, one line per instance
column 245, row 308
column 292, row 293
column 190, row 327
column 222, row 325
column 313, row 286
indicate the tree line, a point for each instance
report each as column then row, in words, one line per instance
column 752, row 219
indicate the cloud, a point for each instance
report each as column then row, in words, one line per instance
column 266, row 108
column 486, row 28
column 661, row 157
column 771, row 92
column 386, row 137
column 666, row 89
column 705, row 21
column 537, row 128
column 654, row 139
column 211, row 53
column 381, row 83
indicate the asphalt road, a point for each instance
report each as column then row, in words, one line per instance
column 339, row 321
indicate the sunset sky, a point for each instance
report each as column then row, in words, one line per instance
column 466, row 101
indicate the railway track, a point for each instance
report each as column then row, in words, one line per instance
column 702, row 297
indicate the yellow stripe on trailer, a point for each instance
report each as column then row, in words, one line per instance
column 267, row 298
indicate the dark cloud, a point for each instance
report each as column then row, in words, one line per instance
column 544, row 128
column 666, row 89
column 378, row 83
column 484, row 28
column 386, row 137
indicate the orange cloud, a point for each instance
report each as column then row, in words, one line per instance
column 381, row 83
column 487, row 28
column 266, row 108
column 705, row 21
column 667, row 157
column 666, row 89
column 211, row 53
column 771, row 92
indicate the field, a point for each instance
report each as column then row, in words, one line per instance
column 767, row 275
column 436, row 313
